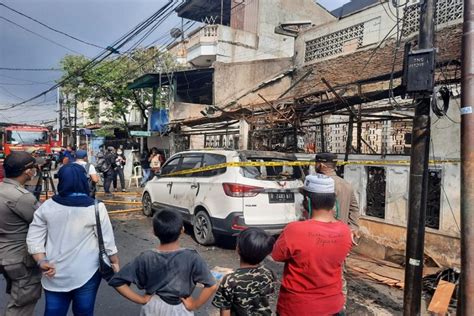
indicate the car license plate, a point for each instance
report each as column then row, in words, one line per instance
column 281, row 197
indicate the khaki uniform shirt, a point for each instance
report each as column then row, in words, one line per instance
column 348, row 205
column 17, row 206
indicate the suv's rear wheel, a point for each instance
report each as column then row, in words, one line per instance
column 146, row 201
column 202, row 229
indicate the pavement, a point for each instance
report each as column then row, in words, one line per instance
column 133, row 234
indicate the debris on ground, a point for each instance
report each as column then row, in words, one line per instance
column 442, row 282
column 441, row 298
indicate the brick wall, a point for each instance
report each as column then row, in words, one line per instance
column 349, row 68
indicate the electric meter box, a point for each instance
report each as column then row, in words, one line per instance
column 421, row 65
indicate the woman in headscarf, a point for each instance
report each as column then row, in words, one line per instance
column 62, row 239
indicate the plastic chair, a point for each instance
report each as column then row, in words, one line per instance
column 136, row 175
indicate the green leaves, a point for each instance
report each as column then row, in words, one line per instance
column 108, row 80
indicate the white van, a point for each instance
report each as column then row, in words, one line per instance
column 227, row 200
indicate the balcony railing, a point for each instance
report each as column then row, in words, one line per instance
column 209, row 31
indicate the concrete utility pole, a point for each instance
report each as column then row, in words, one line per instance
column 75, row 122
column 418, row 178
column 222, row 12
column 466, row 297
column 60, row 112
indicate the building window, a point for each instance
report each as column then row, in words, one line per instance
column 376, row 184
column 221, row 141
column 434, row 198
column 333, row 44
column 182, row 143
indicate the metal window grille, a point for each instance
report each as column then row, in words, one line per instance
column 221, row 141
column 182, row 143
column 446, row 11
column 433, row 206
column 376, row 184
column 333, row 44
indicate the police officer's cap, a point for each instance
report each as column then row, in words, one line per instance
column 325, row 157
column 17, row 162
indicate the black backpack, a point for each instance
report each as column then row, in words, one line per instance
column 103, row 164
column 92, row 184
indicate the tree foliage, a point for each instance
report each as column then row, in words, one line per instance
column 107, row 82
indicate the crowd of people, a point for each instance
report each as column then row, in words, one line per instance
column 55, row 247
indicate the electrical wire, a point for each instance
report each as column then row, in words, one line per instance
column 22, row 84
column 39, row 35
column 103, row 55
column 50, row 28
column 30, row 69
column 25, row 80
column 10, row 93
column 391, row 95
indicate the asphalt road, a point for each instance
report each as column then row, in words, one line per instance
column 133, row 234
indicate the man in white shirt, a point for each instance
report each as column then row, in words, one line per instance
column 81, row 159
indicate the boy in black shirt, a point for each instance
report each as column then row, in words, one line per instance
column 247, row 290
column 168, row 274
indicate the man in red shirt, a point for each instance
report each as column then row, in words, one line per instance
column 314, row 252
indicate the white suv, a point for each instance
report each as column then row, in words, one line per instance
column 227, row 200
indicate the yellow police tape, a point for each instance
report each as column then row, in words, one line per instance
column 121, row 202
column 296, row 163
column 130, row 210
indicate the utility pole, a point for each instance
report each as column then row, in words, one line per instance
column 68, row 117
column 60, row 112
column 75, row 122
column 417, row 198
column 222, row 12
column 321, row 131
column 466, row 290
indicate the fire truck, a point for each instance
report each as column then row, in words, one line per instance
column 16, row 137
column 20, row 137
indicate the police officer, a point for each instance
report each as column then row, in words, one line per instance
column 17, row 206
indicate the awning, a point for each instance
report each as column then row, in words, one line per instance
column 200, row 10
column 192, row 86
column 184, row 78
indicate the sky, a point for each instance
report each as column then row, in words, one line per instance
column 98, row 22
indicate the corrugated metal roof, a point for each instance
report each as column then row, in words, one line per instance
column 353, row 6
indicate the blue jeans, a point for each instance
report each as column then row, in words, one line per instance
column 146, row 175
column 83, row 299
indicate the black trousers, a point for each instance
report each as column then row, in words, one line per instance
column 119, row 172
column 108, row 179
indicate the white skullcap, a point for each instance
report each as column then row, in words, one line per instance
column 319, row 183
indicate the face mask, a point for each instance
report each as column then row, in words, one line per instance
column 119, row 152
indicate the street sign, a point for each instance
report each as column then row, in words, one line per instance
column 140, row 133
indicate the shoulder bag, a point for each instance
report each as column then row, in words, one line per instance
column 105, row 268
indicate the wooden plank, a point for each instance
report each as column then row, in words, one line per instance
column 384, row 270
column 355, row 268
column 389, row 272
column 440, row 301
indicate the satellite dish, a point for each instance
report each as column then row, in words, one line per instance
column 175, row 32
